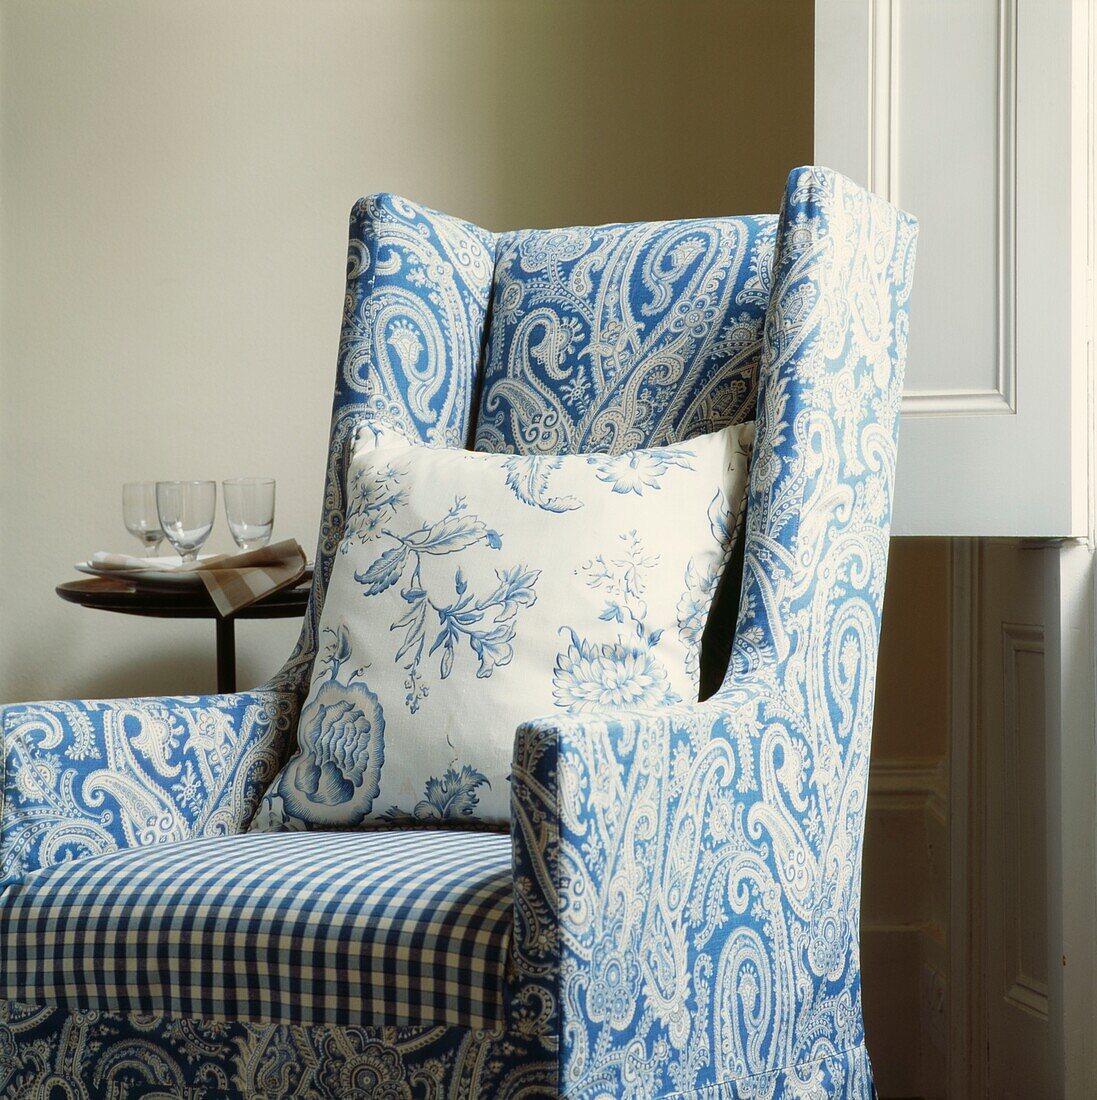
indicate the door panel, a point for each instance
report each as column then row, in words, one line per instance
column 966, row 115
column 1013, row 871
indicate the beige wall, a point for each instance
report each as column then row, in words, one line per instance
column 175, row 182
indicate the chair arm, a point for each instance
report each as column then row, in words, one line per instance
column 678, row 895
column 80, row 778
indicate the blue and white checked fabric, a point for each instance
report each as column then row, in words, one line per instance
column 378, row 928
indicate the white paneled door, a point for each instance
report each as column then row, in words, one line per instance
column 975, row 115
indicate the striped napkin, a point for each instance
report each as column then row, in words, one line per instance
column 235, row 581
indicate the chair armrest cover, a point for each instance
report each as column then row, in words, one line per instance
column 667, row 894
column 80, row 778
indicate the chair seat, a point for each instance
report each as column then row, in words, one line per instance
column 378, row 928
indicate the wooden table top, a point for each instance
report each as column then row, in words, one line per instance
column 107, row 594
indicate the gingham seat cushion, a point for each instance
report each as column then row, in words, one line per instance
column 306, row 928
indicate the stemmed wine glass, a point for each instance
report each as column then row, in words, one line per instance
column 186, row 510
column 140, row 516
column 249, row 509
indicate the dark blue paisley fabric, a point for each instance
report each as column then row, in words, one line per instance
column 686, row 881
column 617, row 337
column 47, row 1054
column 418, row 284
column 701, row 864
column 87, row 777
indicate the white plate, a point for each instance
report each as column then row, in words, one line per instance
column 153, row 578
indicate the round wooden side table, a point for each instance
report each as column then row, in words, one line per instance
column 106, row 594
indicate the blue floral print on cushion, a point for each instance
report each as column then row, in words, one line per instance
column 472, row 590
column 625, row 672
column 635, row 471
column 348, row 729
column 451, row 798
column 485, row 622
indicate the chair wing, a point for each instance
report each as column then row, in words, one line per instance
column 414, row 316
column 688, row 881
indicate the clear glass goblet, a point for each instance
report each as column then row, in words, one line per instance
column 140, row 516
column 186, row 510
column 249, row 508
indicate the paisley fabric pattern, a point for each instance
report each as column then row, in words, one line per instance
column 82, row 778
column 686, row 882
column 418, row 284
column 699, row 867
column 47, row 1053
column 618, row 337
column 470, row 594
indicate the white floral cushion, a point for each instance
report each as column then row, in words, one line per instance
column 473, row 592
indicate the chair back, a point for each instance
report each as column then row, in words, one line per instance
column 550, row 341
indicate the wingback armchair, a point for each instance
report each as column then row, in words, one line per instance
column 675, row 910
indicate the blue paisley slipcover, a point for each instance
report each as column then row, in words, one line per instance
column 675, row 913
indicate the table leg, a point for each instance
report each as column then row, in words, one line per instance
column 226, row 656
